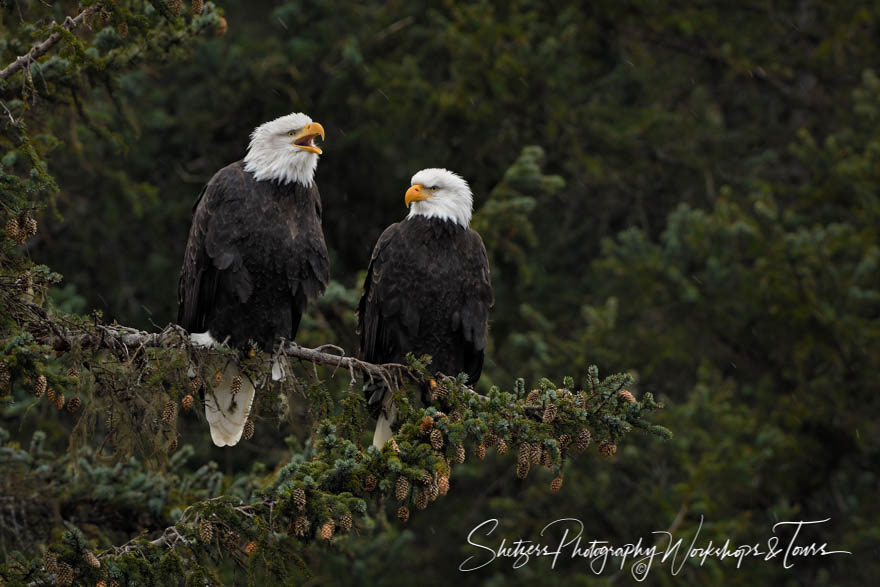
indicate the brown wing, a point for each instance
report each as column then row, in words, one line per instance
column 423, row 298
column 213, row 263
column 473, row 318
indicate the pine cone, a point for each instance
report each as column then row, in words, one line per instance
column 50, row 395
column 175, row 6
column 370, row 483
column 433, row 491
column 403, row 513
column 206, row 531
column 442, row 393
column 443, row 485
column 250, row 548
column 533, row 397
column 16, row 568
column 73, row 405
column 549, row 413
column 491, row 439
column 236, row 385
column 522, row 469
column 426, row 425
column 50, row 562
column 73, row 372
column 394, row 446
column 627, row 396
column 401, row 488
column 564, row 440
column 169, row 412
column 580, row 400
column 5, row 378
column 460, row 454
column 101, row 583
column 13, row 229
column 327, row 530
column 248, row 432
column 299, row 498
column 480, row 451
column 546, row 458
column 195, row 383
column 501, row 446
column 345, row 522
column 92, row 559
column 59, row 400
column 172, row 446
column 301, row 526
column 436, row 439
column 187, row 402
column 583, row 439
column 65, row 574
column 422, row 499
column 455, row 416
column 197, row 7
column 524, row 455
column 40, row 388
column 122, row 29
column 607, row 449
column 535, row 455
column 230, row 540
column 222, row 27
column 556, row 484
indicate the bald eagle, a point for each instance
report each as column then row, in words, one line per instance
column 254, row 257
column 427, row 289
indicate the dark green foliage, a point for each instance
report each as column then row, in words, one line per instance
column 687, row 193
column 329, row 478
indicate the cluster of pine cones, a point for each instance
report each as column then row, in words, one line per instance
column 21, row 228
column 56, row 398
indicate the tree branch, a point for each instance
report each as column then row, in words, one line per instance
column 61, row 337
column 43, row 47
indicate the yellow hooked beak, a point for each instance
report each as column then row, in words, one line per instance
column 417, row 193
column 304, row 139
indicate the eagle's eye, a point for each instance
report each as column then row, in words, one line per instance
column 290, row 133
column 433, row 188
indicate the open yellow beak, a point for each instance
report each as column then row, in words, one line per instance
column 417, row 193
column 305, row 139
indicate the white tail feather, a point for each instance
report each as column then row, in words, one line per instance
column 202, row 339
column 278, row 372
column 226, row 412
column 386, row 417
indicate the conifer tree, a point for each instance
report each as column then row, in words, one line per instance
column 122, row 386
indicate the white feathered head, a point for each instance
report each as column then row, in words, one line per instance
column 284, row 150
column 440, row 193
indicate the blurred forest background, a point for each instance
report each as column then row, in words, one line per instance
column 685, row 190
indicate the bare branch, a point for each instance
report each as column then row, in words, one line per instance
column 43, row 47
column 122, row 338
column 8, row 113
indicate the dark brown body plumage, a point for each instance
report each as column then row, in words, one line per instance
column 255, row 255
column 427, row 291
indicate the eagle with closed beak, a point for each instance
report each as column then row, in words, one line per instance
column 427, row 289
